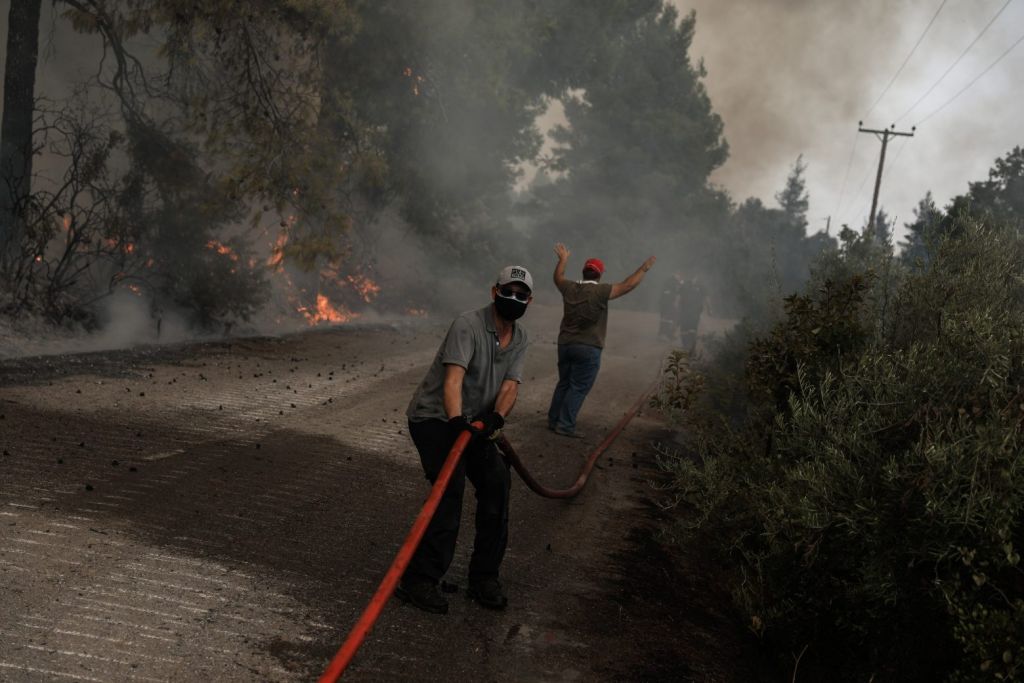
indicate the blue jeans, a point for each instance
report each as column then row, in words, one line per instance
column 577, row 369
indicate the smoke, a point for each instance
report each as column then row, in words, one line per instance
column 417, row 272
column 787, row 76
column 123, row 320
column 795, row 76
column 126, row 320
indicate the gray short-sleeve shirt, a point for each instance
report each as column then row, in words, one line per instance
column 472, row 343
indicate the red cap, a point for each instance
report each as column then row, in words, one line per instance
column 595, row 264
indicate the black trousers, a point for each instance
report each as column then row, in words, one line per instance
column 483, row 465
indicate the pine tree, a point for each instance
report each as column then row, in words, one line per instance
column 793, row 198
column 1002, row 195
column 641, row 142
column 926, row 221
column 882, row 233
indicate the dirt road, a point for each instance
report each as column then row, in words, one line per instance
column 223, row 511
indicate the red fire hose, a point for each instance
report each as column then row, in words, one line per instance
column 581, row 480
column 387, row 586
column 359, row 632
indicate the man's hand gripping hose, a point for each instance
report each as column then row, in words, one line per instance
column 394, row 573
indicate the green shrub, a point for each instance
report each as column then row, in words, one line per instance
column 868, row 483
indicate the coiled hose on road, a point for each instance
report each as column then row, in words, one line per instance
column 387, row 586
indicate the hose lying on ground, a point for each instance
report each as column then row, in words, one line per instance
column 387, row 586
column 581, row 480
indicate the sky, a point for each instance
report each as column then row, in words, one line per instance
column 793, row 77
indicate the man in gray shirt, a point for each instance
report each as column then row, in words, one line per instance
column 475, row 376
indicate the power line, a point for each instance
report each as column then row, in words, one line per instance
column 956, row 61
column 846, row 176
column 899, row 151
column 856, row 137
column 858, row 194
column 907, row 58
column 974, row 80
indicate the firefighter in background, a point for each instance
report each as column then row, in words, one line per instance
column 692, row 301
column 668, row 307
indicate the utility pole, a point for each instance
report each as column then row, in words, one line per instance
column 884, row 136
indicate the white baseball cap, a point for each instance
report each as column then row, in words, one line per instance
column 515, row 274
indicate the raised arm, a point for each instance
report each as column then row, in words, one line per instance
column 627, row 285
column 563, row 259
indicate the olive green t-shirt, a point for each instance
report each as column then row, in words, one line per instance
column 585, row 313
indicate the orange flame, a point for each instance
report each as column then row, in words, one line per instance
column 367, row 288
column 326, row 312
column 276, row 257
column 222, row 249
column 126, row 247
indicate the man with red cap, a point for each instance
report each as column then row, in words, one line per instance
column 581, row 337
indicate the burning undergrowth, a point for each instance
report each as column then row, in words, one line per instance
column 128, row 238
column 183, row 283
column 335, row 292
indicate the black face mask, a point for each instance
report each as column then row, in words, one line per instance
column 509, row 309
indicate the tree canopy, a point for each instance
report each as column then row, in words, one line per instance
column 306, row 127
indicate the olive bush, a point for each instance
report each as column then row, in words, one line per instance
column 864, row 478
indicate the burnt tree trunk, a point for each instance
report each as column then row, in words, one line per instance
column 16, row 126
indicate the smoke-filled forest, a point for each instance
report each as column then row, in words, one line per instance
column 836, row 460
column 319, row 160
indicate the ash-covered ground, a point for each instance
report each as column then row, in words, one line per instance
column 224, row 510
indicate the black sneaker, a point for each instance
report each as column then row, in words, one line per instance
column 571, row 435
column 488, row 592
column 422, row 593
